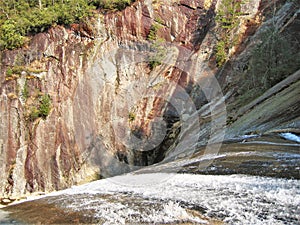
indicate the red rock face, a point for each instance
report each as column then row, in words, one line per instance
column 40, row 155
column 51, row 151
column 185, row 24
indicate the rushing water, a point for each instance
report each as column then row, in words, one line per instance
column 260, row 184
column 172, row 198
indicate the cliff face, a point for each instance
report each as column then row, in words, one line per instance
column 127, row 90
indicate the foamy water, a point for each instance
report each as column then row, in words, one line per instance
column 164, row 198
column 291, row 137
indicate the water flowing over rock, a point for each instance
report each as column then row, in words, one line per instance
column 122, row 99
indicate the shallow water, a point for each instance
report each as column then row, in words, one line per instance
column 270, row 156
column 171, row 198
column 254, row 180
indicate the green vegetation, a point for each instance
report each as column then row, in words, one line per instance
column 10, row 37
column 274, row 59
column 15, row 70
column 9, row 72
column 25, row 91
column 34, row 113
column 228, row 20
column 157, row 45
column 221, row 52
column 19, row 19
column 159, row 20
column 45, row 106
column 131, row 116
column 159, row 52
column 229, row 13
column 152, row 36
column 40, row 108
column 112, row 4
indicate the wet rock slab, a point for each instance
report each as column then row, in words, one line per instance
column 268, row 155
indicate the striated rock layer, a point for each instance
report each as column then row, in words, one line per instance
column 130, row 89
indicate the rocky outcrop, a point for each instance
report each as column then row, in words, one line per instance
column 40, row 153
column 127, row 90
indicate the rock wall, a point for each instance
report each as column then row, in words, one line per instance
column 125, row 92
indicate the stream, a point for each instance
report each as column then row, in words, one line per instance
column 252, row 180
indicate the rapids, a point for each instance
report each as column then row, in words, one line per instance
column 252, row 180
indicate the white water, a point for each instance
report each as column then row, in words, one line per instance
column 235, row 199
column 291, row 137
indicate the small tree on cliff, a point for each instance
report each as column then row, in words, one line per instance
column 228, row 20
column 45, row 106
